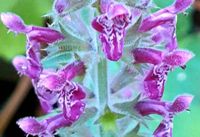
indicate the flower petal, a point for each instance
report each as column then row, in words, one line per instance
column 104, row 5
column 172, row 44
column 156, row 19
column 181, row 103
column 31, row 126
column 43, row 35
column 164, row 129
column 72, row 70
column 56, row 122
column 21, row 64
column 148, row 107
column 46, row 97
column 53, row 82
column 155, row 80
column 13, row 22
column 97, row 25
column 76, row 110
column 60, row 5
column 180, row 6
column 115, row 10
column 147, row 55
column 113, row 48
column 178, row 57
column 78, row 94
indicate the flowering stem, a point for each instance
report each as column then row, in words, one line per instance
column 102, row 84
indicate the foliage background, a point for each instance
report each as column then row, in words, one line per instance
column 186, row 124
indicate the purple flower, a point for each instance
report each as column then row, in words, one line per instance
column 29, row 65
column 154, row 81
column 68, row 93
column 112, row 25
column 166, row 109
column 166, row 33
column 33, row 33
column 43, row 128
column 163, row 16
column 156, row 19
column 163, row 23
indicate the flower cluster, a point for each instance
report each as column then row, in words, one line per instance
column 162, row 25
column 116, row 22
column 51, row 86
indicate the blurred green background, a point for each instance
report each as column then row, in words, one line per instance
column 179, row 81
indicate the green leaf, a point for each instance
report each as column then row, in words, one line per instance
column 126, row 125
column 73, row 24
column 126, row 108
column 126, row 76
column 132, row 34
column 88, row 114
column 57, row 60
column 134, row 132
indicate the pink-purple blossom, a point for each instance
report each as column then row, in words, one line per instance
column 58, row 88
column 50, row 86
column 34, row 33
column 112, row 26
column 163, row 62
column 162, row 23
column 166, row 109
column 68, row 94
column 43, row 128
column 29, row 65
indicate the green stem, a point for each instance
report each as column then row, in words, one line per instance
column 102, row 84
